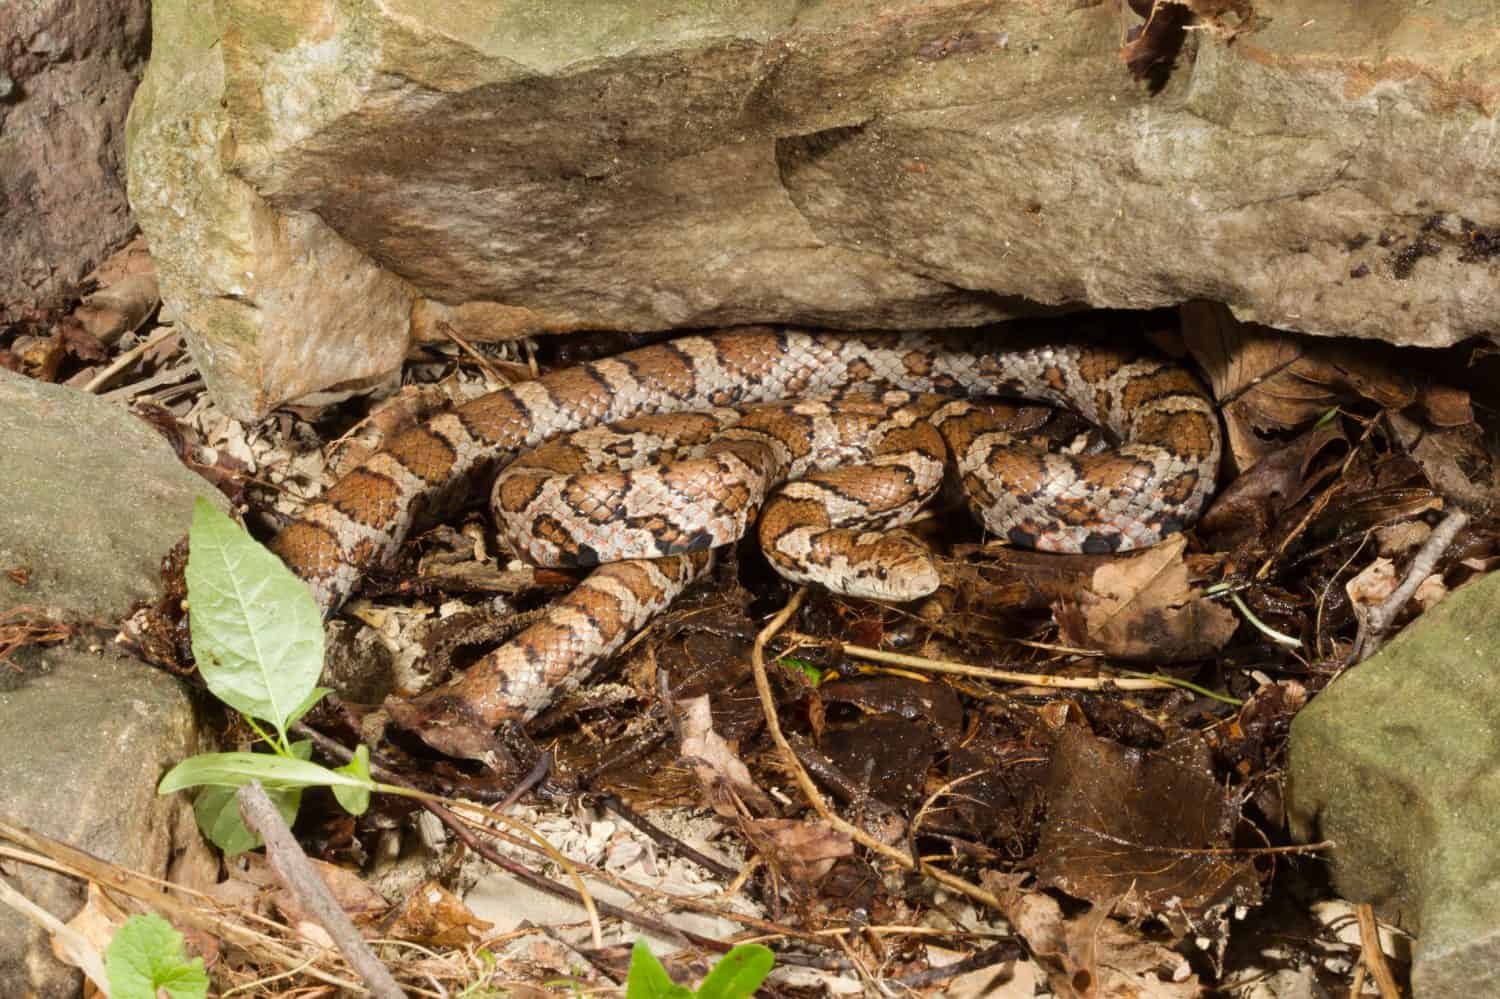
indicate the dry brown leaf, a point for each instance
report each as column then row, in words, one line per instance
column 126, row 293
column 1446, row 405
column 1398, row 539
column 1145, row 833
column 1374, row 583
column 715, row 763
column 435, row 917
column 1454, row 459
column 78, row 342
column 362, row 903
column 1094, row 957
column 111, row 312
column 1267, row 381
column 1142, row 607
column 1279, row 480
column 1430, row 591
column 94, row 925
column 805, row 851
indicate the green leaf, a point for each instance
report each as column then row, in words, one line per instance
column 355, row 800
column 648, row 979
column 738, row 973
column 219, row 819
column 274, row 773
column 218, row 815
column 313, row 697
column 147, row 954
column 257, row 633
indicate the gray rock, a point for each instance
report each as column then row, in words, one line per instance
column 93, row 499
column 83, row 742
column 69, row 71
column 319, row 187
column 1398, row 763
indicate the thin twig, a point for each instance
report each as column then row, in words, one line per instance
column 1327, row 587
column 982, row 672
column 805, row 782
column 171, row 379
column 296, row 873
column 1005, row 950
column 530, row 838
column 1357, row 981
column 483, row 362
column 664, row 839
column 1377, row 622
column 1371, row 955
column 127, row 358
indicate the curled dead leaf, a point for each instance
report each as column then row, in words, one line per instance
column 1142, row 607
column 1266, row 381
column 715, row 763
column 1091, row 956
column 435, row 917
column 805, row 851
column 110, row 312
column 93, row 927
column 1454, row 459
column 1278, row 480
column 1373, row 584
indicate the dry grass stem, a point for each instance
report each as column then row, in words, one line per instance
column 951, row 668
column 805, row 782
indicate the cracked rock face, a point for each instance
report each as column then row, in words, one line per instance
column 359, row 174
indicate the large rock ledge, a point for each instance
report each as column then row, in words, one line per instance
column 322, row 181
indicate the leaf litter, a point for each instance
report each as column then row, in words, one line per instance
column 1122, row 834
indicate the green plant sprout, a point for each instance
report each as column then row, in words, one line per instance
column 258, row 639
column 146, row 959
column 737, row 975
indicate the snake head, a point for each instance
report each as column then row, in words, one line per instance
column 898, row 569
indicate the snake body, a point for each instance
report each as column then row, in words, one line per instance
column 1151, row 485
column 673, row 484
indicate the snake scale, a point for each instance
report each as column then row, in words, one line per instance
column 747, row 431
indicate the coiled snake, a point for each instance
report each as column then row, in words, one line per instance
column 729, row 454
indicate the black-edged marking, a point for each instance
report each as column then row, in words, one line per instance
column 425, row 454
column 1021, row 537
column 1097, row 543
column 367, row 496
